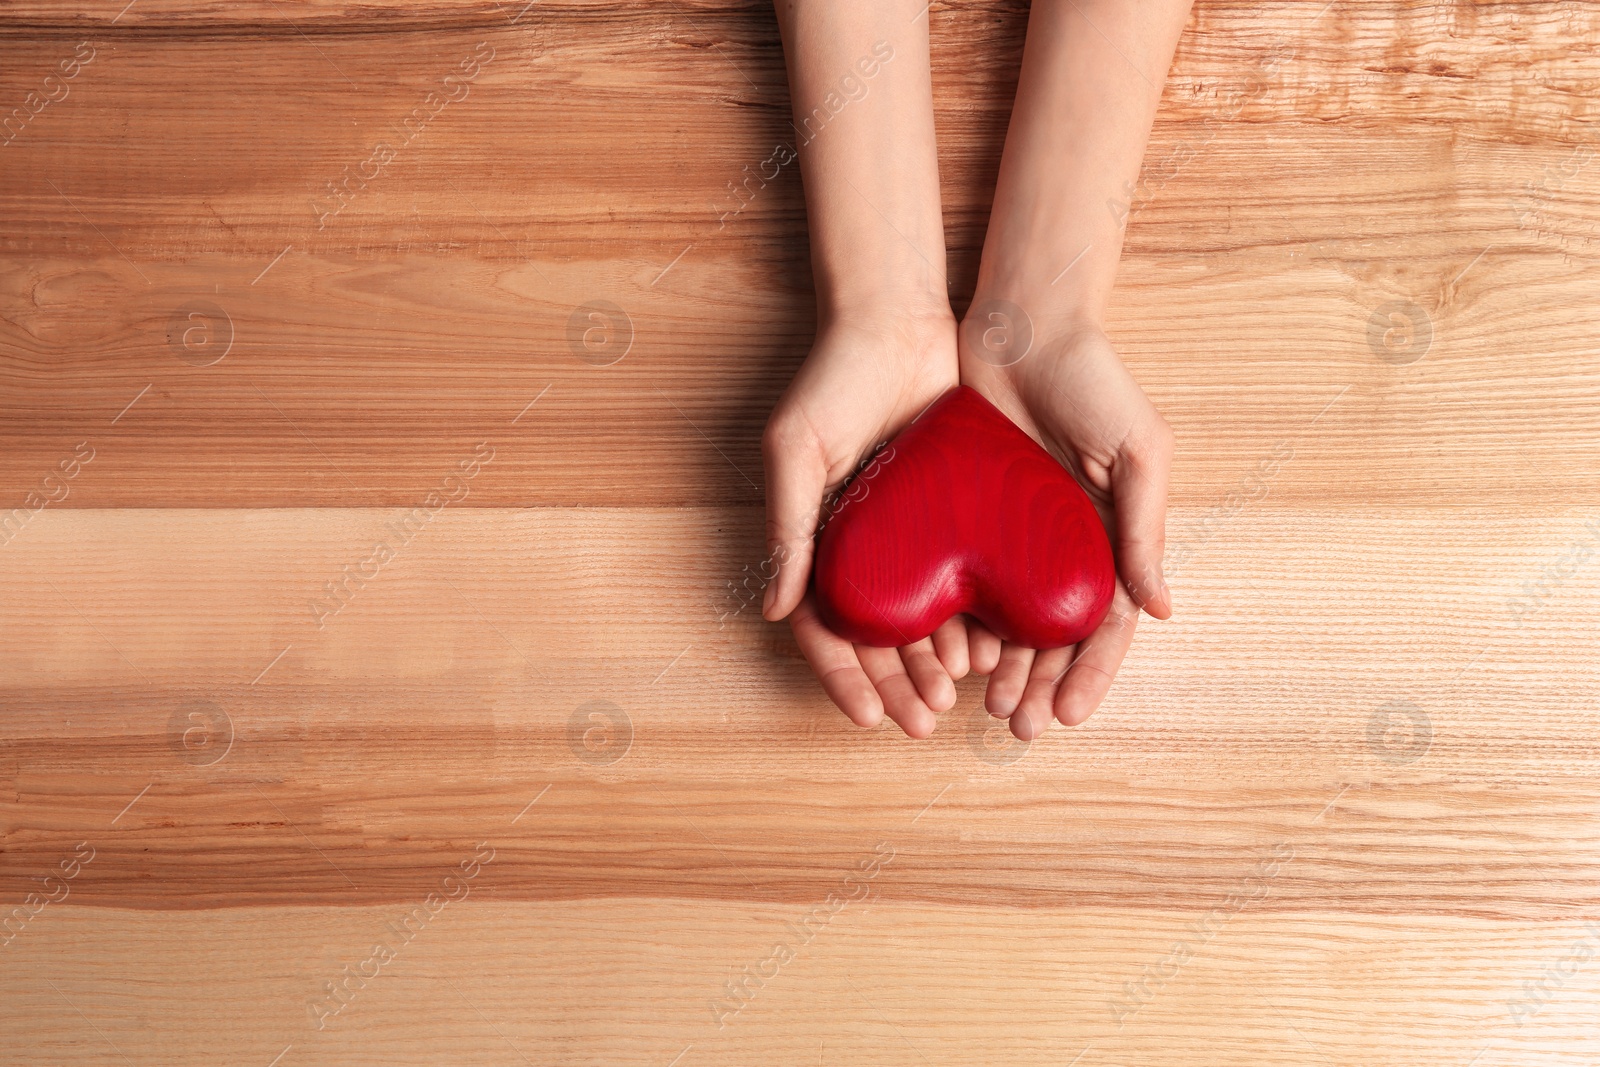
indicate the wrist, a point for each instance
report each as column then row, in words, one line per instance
column 879, row 305
column 1058, row 264
column 916, row 341
column 1004, row 326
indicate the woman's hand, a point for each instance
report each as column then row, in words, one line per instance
column 1073, row 394
column 867, row 376
column 861, row 86
column 1088, row 89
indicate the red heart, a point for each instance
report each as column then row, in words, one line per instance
column 963, row 512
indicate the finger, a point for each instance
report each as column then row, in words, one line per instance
column 928, row 675
column 1139, row 492
column 950, row 645
column 983, row 647
column 1099, row 655
column 796, row 479
column 1008, row 680
column 901, row 701
column 1036, row 708
column 837, row 667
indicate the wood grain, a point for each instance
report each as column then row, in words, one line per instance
column 1356, row 776
column 882, row 984
column 437, row 303
column 431, row 708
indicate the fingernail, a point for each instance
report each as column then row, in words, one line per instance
column 1002, row 709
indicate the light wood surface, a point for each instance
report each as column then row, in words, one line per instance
column 1344, row 808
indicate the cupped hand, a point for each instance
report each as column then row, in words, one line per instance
column 867, row 376
column 1073, row 394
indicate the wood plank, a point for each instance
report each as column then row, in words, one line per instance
column 437, row 304
column 441, row 697
column 880, row 982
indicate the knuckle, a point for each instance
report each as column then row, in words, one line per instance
column 792, row 529
column 1149, row 450
column 1159, row 442
column 1122, row 620
column 1165, row 434
column 785, row 434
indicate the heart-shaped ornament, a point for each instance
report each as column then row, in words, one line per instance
column 964, row 512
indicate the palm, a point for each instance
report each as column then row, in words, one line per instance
column 1076, row 397
column 859, row 386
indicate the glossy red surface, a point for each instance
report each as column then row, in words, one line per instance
column 964, row 512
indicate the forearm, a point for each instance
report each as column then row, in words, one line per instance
column 863, row 117
column 1091, row 80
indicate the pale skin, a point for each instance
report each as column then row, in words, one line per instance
column 888, row 342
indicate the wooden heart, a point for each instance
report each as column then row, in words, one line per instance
column 964, row 512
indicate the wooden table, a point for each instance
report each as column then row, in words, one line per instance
column 535, row 785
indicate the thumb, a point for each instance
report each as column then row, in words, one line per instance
column 1139, row 495
column 796, row 478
